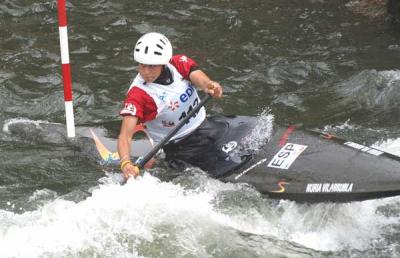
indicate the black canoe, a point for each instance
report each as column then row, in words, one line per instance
column 295, row 164
column 309, row 166
column 304, row 165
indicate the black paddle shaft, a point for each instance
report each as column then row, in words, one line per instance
column 143, row 160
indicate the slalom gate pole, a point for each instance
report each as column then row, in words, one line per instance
column 66, row 68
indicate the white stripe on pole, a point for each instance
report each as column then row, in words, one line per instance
column 64, row 45
column 69, row 113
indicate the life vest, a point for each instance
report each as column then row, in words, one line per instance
column 161, row 107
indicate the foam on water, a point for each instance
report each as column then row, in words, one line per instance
column 389, row 145
column 125, row 220
column 116, row 220
column 334, row 227
column 21, row 120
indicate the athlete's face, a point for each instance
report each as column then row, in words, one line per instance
column 150, row 72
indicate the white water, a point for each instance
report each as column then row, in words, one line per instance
column 22, row 120
column 389, row 145
column 122, row 220
column 118, row 220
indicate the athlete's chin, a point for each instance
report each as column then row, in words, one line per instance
column 149, row 80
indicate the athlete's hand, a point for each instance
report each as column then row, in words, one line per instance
column 130, row 170
column 214, row 89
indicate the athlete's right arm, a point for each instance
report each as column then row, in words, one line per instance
column 124, row 146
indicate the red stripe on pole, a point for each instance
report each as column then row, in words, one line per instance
column 66, row 72
column 62, row 13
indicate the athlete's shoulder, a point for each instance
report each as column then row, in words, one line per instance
column 136, row 92
column 139, row 103
column 184, row 64
column 181, row 58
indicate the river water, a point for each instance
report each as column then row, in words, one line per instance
column 311, row 62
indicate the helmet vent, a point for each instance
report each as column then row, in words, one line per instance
column 159, row 46
column 146, row 50
column 157, row 53
column 162, row 41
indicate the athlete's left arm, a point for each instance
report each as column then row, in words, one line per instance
column 188, row 68
column 201, row 80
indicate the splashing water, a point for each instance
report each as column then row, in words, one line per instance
column 150, row 218
column 334, row 227
column 25, row 121
column 261, row 133
column 118, row 220
column 390, row 145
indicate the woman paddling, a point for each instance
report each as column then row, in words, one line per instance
column 160, row 96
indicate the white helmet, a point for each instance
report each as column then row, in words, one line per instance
column 153, row 49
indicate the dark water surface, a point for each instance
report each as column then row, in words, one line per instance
column 310, row 62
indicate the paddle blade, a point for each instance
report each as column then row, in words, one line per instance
column 106, row 155
column 107, row 148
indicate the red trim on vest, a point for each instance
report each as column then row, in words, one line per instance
column 138, row 103
column 183, row 64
